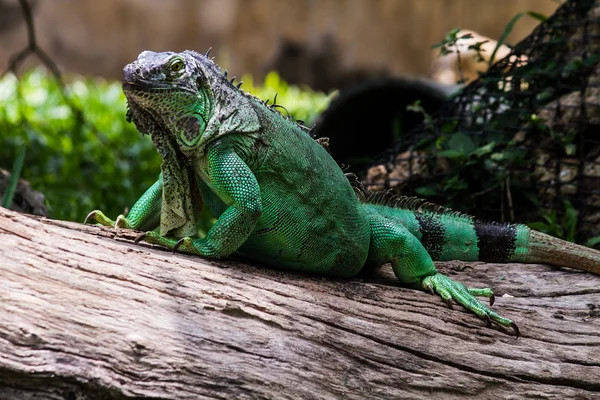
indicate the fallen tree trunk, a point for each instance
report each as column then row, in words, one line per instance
column 87, row 314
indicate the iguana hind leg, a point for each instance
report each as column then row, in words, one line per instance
column 412, row 265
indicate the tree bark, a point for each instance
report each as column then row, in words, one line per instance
column 87, row 314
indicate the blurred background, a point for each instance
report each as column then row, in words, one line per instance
column 325, row 44
column 66, row 149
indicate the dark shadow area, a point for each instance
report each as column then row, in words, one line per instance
column 319, row 66
column 367, row 119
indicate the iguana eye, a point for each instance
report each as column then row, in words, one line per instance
column 177, row 65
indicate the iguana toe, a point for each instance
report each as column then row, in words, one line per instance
column 483, row 293
column 516, row 329
column 122, row 223
column 185, row 243
column 99, row 217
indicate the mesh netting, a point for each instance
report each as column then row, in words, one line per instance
column 522, row 142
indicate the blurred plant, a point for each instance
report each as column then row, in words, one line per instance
column 100, row 163
column 593, row 242
column 482, row 151
column 95, row 159
column 9, row 193
column 303, row 103
column 563, row 228
column 455, row 38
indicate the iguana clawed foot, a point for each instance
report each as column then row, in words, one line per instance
column 184, row 245
column 102, row 219
column 449, row 290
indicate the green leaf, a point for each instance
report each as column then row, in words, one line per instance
column 570, row 149
column 15, row 173
column 540, row 227
column 485, row 150
column 452, row 154
column 415, row 107
column 455, row 183
column 570, row 221
column 461, row 143
column 428, row 190
column 537, row 16
column 592, row 242
column 507, row 31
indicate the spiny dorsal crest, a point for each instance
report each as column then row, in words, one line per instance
column 389, row 199
column 276, row 108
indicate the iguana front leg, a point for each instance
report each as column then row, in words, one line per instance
column 412, row 265
column 144, row 215
column 233, row 181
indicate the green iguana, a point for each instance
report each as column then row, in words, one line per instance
column 281, row 200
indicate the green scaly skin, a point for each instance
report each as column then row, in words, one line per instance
column 281, row 200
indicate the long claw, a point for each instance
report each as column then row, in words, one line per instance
column 449, row 304
column 140, row 237
column 122, row 222
column 488, row 320
column 89, row 216
column 492, row 299
column 516, row 329
column 178, row 244
column 99, row 217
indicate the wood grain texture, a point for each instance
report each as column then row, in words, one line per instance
column 87, row 314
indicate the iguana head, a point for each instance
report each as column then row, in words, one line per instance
column 186, row 97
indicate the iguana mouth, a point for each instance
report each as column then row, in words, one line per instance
column 149, row 86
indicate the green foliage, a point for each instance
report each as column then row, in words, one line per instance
column 468, row 161
column 98, row 161
column 510, row 26
column 7, row 199
column 449, row 44
column 416, row 107
column 303, row 103
column 563, row 228
column 95, row 159
column 490, row 150
column 593, row 242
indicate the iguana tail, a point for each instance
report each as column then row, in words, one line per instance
column 547, row 249
column 449, row 235
column 506, row 242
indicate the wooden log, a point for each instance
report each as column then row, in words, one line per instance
column 87, row 314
